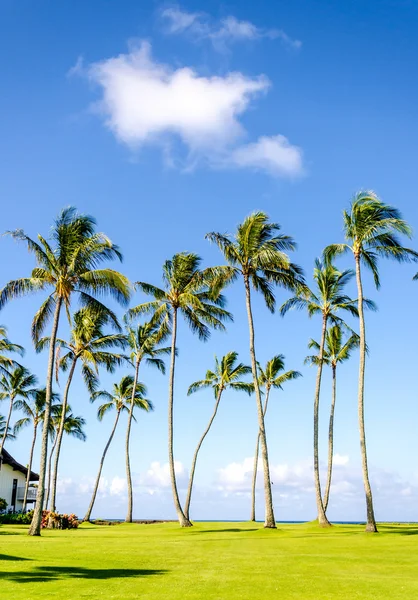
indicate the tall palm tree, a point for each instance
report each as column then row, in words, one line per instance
column 371, row 230
column 227, row 374
column 143, row 341
column 17, row 383
column 120, row 399
column 7, row 433
column 327, row 300
column 271, row 376
column 34, row 409
column 336, row 351
column 194, row 293
column 89, row 346
column 7, row 347
column 257, row 253
column 64, row 265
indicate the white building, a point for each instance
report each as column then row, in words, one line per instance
column 12, row 482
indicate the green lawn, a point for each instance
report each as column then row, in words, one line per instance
column 211, row 560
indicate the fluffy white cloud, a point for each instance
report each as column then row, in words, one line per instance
column 341, row 459
column 158, row 475
column 145, row 102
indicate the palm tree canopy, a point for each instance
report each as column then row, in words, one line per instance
column 371, row 229
column 258, row 252
column 144, row 339
column 273, row 375
column 18, row 383
column 195, row 292
column 7, row 347
column 73, row 425
column 11, row 435
column 120, row 397
column 69, row 263
column 227, row 374
column 336, row 350
column 33, row 408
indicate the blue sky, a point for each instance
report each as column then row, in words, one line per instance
column 167, row 121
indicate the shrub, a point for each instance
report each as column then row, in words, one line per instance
column 3, row 504
column 58, row 521
column 16, row 518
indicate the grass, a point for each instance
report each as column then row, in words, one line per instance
column 212, row 560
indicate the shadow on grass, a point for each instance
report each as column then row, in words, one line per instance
column 8, row 557
column 55, row 573
column 234, row 530
column 385, row 529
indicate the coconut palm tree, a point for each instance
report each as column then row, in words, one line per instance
column 66, row 264
column 226, row 375
column 34, row 409
column 371, row 230
column 327, row 300
column 194, row 293
column 143, row 341
column 336, row 351
column 120, row 400
column 7, row 347
column 271, row 376
column 73, row 426
column 89, row 346
column 257, row 253
column 17, row 383
column 8, row 434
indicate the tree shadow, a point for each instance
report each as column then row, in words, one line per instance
column 230, row 530
column 42, row 574
column 398, row 530
column 8, row 557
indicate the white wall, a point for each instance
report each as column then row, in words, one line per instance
column 6, row 484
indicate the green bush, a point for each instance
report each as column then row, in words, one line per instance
column 3, row 504
column 16, row 518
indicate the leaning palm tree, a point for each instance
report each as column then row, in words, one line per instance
column 35, row 412
column 257, row 253
column 336, row 351
column 91, row 347
column 226, row 375
column 17, row 383
column 194, row 293
column 143, row 341
column 66, row 264
column 327, row 300
column 371, row 229
column 120, row 400
column 271, row 376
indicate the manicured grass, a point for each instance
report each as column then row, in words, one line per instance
column 211, row 560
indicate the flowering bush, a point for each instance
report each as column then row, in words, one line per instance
column 57, row 521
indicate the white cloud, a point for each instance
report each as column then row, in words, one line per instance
column 341, row 459
column 118, row 486
column 158, row 475
column 178, row 19
column 145, row 102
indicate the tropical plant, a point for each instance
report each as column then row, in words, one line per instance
column 17, row 383
column 195, row 293
column 271, row 376
column 7, row 347
column 143, row 341
column 91, row 347
column 34, row 409
column 336, row 351
column 371, row 229
column 6, row 433
column 257, row 253
column 119, row 400
column 226, row 375
column 327, row 300
column 65, row 265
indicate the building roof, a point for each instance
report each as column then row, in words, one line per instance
column 7, row 459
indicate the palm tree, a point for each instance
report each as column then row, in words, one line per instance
column 328, row 299
column 257, row 254
column 335, row 352
column 120, row 400
column 227, row 374
column 66, row 264
column 7, row 347
column 8, row 434
column 271, row 376
column 89, row 346
column 143, row 341
column 73, row 426
column 371, row 229
column 35, row 412
column 195, row 293
column 15, row 384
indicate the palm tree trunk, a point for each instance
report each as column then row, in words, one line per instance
column 60, row 433
column 331, row 437
column 96, row 485
column 322, row 518
column 48, row 487
column 32, row 448
column 193, row 468
column 6, row 431
column 184, row 522
column 257, row 448
column 35, row 527
column 128, row 434
column 269, row 512
column 371, row 523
